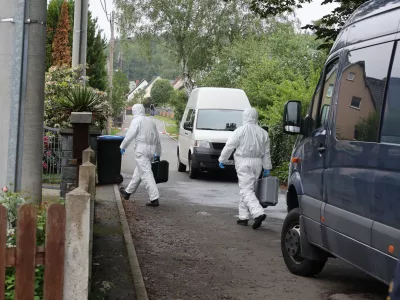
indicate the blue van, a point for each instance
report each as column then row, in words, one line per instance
column 344, row 180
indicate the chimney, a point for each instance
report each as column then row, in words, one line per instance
column 137, row 82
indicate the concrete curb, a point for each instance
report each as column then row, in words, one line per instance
column 140, row 288
column 165, row 129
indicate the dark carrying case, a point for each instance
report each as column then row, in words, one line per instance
column 267, row 191
column 160, row 170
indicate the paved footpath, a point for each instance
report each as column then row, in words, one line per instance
column 191, row 248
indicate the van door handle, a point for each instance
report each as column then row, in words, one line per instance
column 186, row 133
column 321, row 149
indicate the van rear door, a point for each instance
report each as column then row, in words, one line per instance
column 353, row 151
column 315, row 153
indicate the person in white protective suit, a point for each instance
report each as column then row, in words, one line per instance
column 143, row 132
column 251, row 157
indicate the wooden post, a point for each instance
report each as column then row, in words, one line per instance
column 26, row 253
column 3, row 249
column 55, row 249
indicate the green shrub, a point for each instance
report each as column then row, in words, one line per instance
column 61, row 83
column 178, row 100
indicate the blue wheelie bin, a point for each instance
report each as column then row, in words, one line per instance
column 109, row 159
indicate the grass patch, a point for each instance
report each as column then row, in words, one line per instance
column 115, row 131
column 51, row 178
column 172, row 129
column 170, row 125
column 167, row 121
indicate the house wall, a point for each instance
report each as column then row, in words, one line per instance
column 140, row 87
column 347, row 116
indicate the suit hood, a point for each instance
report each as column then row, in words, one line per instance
column 138, row 110
column 250, row 116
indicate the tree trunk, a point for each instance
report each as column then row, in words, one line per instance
column 187, row 80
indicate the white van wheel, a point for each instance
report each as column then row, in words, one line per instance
column 193, row 172
column 181, row 167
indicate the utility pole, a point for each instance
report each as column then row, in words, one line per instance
column 79, row 43
column 83, row 38
column 76, row 41
column 22, row 78
column 111, row 68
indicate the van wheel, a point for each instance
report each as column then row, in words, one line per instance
column 290, row 246
column 181, row 167
column 193, row 172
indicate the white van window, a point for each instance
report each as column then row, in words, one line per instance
column 391, row 120
column 189, row 115
column 360, row 101
column 219, row 119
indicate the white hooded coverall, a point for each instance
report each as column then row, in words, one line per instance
column 252, row 155
column 143, row 132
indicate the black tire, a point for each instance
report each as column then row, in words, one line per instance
column 120, row 179
column 193, row 172
column 181, row 166
column 294, row 262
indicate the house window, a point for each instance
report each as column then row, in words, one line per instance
column 359, row 104
column 355, row 102
column 330, row 91
column 351, row 76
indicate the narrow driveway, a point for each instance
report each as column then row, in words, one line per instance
column 191, row 248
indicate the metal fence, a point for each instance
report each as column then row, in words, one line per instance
column 51, row 155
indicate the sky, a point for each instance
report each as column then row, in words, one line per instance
column 310, row 12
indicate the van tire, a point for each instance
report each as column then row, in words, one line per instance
column 295, row 263
column 193, row 172
column 181, row 166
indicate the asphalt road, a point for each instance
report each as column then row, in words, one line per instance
column 191, row 248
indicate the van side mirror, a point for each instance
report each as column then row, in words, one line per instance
column 188, row 126
column 292, row 117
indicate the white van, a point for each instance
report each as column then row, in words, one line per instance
column 210, row 117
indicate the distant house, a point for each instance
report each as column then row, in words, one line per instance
column 132, row 85
column 178, row 84
column 150, row 86
column 144, row 85
column 139, row 86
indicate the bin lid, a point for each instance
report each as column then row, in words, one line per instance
column 110, row 138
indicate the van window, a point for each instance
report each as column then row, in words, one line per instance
column 189, row 115
column 391, row 119
column 219, row 119
column 360, row 99
column 320, row 112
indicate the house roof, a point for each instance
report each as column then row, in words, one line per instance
column 177, row 79
column 136, row 87
column 377, row 88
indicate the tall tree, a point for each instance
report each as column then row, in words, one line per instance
column 326, row 28
column 96, row 56
column 161, row 92
column 192, row 29
column 53, row 14
column 140, row 64
column 120, row 91
column 61, row 50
